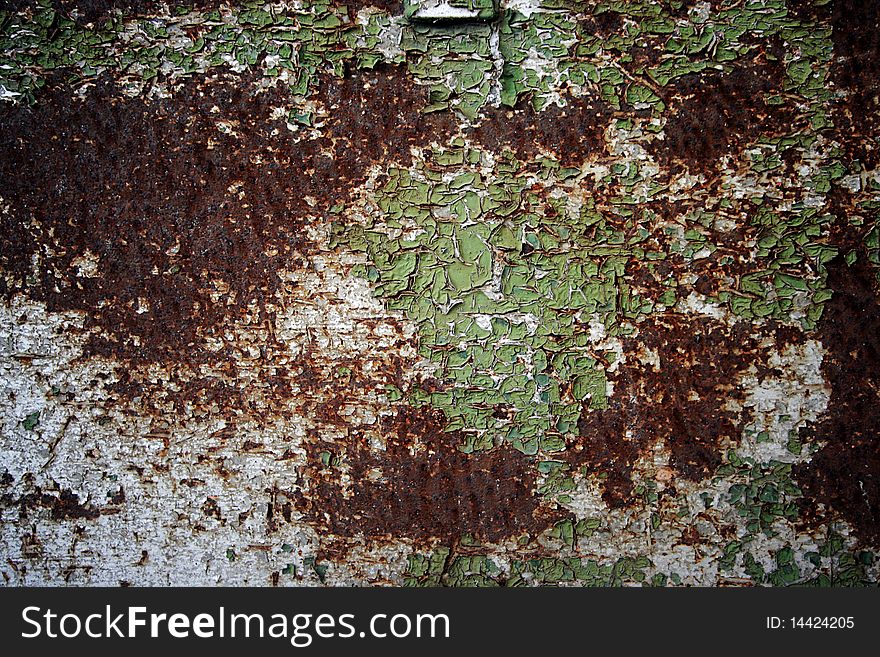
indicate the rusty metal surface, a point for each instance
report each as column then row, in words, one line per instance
column 527, row 292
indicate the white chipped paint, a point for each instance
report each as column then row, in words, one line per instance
column 524, row 7
column 697, row 304
column 443, row 10
column 781, row 405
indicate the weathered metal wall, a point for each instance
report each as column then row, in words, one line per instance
column 543, row 291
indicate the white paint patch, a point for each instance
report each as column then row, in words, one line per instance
column 441, row 10
column 196, row 495
column 697, row 304
column 6, row 94
column 783, row 404
column 86, row 265
column 524, row 7
column 586, row 499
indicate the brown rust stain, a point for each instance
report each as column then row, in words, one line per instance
column 190, row 225
column 354, row 6
column 375, row 117
column 604, row 24
column 172, row 209
column 844, row 475
column 62, row 504
column 91, row 11
column 682, row 403
column 856, row 70
column 731, row 256
column 572, row 133
column 421, row 486
column 713, row 113
column 176, row 210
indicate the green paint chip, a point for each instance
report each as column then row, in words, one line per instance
column 31, row 421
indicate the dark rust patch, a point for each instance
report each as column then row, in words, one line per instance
column 712, row 114
column 856, row 70
column 730, row 258
column 90, row 11
column 572, row 133
column 845, row 474
column 62, row 504
column 604, row 24
column 421, row 486
column 374, row 117
column 172, row 209
column 189, row 225
column 354, row 6
column 807, row 10
column 682, row 403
